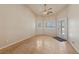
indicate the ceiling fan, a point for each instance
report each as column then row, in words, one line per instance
column 47, row 11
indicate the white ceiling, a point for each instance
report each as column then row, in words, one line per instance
column 38, row 8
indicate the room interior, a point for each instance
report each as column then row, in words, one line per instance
column 39, row 29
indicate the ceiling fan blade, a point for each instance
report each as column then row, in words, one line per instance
column 50, row 9
column 49, row 13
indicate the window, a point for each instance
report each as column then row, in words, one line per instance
column 51, row 24
column 46, row 24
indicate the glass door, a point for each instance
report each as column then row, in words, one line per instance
column 62, row 29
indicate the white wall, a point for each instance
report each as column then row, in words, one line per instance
column 16, row 24
column 73, row 16
column 72, row 12
column 44, row 29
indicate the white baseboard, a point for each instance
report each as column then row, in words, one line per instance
column 74, row 46
column 27, row 37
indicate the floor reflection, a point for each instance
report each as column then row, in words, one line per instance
column 39, row 44
column 42, row 44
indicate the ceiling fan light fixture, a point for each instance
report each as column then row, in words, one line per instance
column 45, row 12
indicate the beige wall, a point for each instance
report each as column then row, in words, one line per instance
column 72, row 12
column 17, row 22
